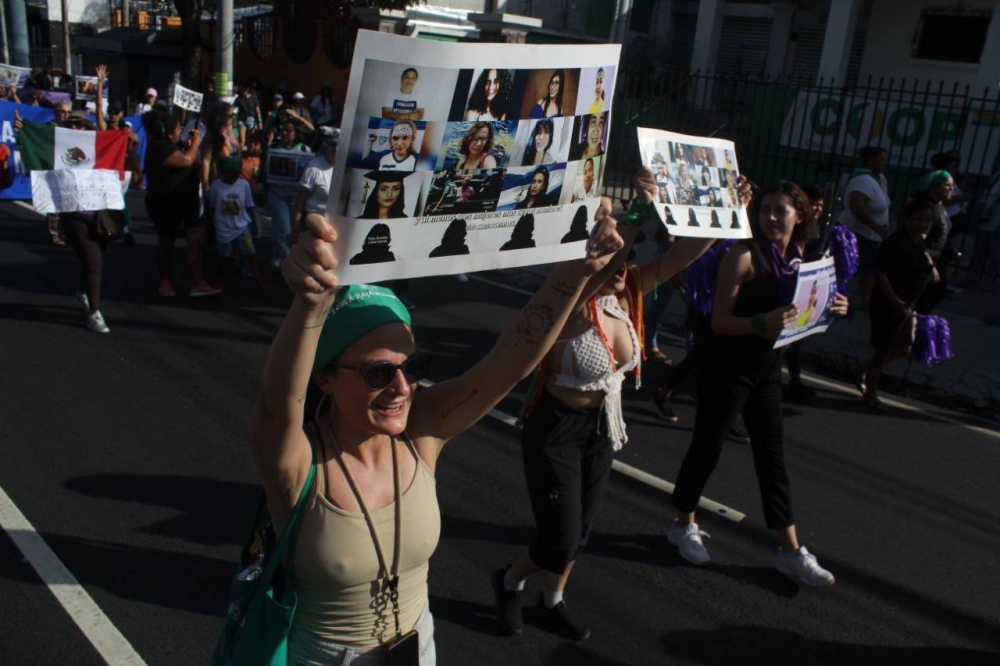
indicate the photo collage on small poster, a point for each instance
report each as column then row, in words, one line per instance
column 697, row 182
column 475, row 160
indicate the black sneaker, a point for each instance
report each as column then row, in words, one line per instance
column 738, row 433
column 665, row 409
column 508, row 603
column 559, row 621
column 800, row 393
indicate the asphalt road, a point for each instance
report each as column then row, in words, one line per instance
column 128, row 454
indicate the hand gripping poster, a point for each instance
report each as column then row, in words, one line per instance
column 465, row 157
column 696, row 177
column 814, row 293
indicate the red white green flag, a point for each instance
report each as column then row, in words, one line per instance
column 50, row 148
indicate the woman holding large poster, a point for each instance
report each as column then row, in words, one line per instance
column 370, row 435
column 742, row 375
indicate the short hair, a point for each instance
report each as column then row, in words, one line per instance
column 63, row 103
column 410, row 69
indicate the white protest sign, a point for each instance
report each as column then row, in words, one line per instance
column 72, row 190
column 187, row 99
column 286, row 166
column 814, row 293
column 697, row 193
column 465, row 157
column 85, row 88
column 13, row 77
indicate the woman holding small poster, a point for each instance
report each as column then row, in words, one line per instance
column 742, row 375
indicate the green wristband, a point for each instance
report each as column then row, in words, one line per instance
column 758, row 324
column 638, row 213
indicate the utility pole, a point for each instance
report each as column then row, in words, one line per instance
column 224, row 47
column 3, row 33
column 67, row 56
column 19, row 50
column 126, row 19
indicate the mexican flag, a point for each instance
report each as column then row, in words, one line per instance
column 51, row 148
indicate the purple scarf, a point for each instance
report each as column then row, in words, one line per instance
column 785, row 269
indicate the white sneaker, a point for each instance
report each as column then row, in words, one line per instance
column 802, row 566
column 95, row 322
column 687, row 538
column 82, row 297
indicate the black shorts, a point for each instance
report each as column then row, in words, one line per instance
column 566, row 464
column 171, row 222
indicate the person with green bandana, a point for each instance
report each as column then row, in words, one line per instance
column 360, row 562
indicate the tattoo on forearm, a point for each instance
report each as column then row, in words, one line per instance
column 445, row 412
column 536, row 321
column 301, row 399
column 563, row 288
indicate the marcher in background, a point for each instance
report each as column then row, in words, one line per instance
column 147, row 102
column 314, row 185
column 172, row 199
column 988, row 236
column 905, row 270
column 866, row 212
column 742, row 374
column 248, row 107
column 937, row 187
column 324, row 107
column 234, row 214
column 133, row 165
column 224, row 139
column 281, row 195
column 299, row 106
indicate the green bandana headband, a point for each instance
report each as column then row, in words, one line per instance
column 358, row 309
column 932, row 180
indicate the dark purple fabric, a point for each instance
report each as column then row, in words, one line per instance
column 932, row 341
column 843, row 246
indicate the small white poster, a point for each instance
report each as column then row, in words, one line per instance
column 286, row 166
column 85, row 88
column 814, row 293
column 458, row 157
column 696, row 177
column 187, row 99
column 73, row 190
column 13, row 77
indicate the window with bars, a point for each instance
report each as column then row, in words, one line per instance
column 951, row 34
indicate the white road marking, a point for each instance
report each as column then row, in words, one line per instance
column 95, row 625
column 635, row 473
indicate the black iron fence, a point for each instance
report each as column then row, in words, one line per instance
column 810, row 132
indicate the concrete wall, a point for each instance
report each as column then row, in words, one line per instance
column 891, row 31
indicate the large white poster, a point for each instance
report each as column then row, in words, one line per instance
column 696, row 177
column 13, row 77
column 465, row 157
column 73, row 190
column 814, row 293
column 188, row 99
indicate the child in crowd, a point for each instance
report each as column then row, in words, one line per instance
column 232, row 207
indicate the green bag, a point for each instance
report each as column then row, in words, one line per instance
column 262, row 602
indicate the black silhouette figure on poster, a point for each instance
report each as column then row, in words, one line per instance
column 453, row 240
column 692, row 218
column 716, row 224
column 522, row 236
column 578, row 227
column 375, row 249
column 736, row 221
column 668, row 215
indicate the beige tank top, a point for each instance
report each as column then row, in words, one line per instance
column 336, row 564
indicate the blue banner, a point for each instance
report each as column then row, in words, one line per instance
column 21, row 187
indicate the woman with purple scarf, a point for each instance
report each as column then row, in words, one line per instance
column 742, row 375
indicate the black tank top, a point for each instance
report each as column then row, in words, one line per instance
column 758, row 295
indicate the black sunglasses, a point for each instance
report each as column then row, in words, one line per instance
column 380, row 374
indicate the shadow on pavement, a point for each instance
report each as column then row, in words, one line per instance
column 479, row 618
column 211, row 512
column 764, row 645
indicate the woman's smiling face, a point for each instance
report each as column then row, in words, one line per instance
column 542, row 138
column 554, row 84
column 778, row 217
column 595, row 130
column 492, row 84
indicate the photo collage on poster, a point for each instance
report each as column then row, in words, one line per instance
column 466, row 150
column 697, row 184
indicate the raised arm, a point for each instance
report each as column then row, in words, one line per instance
column 280, row 448
column 448, row 408
column 181, row 159
column 102, row 75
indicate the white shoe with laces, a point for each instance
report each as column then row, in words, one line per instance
column 687, row 538
column 801, row 566
column 82, row 297
column 95, row 323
